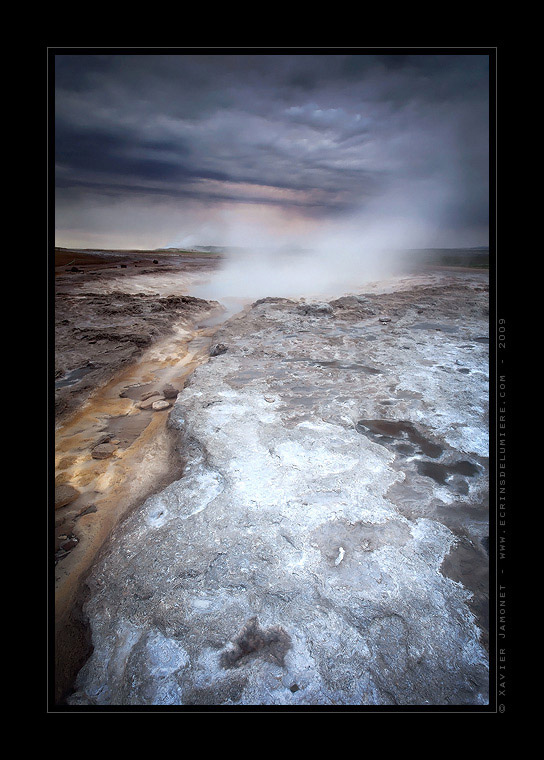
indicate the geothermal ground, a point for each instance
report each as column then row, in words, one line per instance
column 301, row 519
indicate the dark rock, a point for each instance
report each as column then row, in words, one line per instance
column 218, row 349
column 169, row 391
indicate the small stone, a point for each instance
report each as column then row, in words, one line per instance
column 269, row 399
column 294, row 688
column 103, row 451
column 162, row 404
column 169, row 391
column 383, row 320
column 218, row 349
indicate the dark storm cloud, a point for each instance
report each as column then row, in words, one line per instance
column 306, row 131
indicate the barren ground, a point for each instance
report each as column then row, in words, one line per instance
column 306, row 523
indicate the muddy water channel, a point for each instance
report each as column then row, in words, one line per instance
column 115, row 449
column 110, row 455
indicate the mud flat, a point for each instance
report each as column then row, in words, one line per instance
column 326, row 541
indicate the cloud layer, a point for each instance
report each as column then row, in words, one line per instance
column 155, row 150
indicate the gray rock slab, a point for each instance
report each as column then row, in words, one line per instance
column 299, row 559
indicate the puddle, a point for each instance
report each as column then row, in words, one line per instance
column 399, row 434
column 468, row 564
column 440, row 326
column 440, row 472
column 74, row 376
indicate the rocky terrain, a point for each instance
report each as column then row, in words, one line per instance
column 326, row 543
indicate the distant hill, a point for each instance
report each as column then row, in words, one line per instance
column 453, row 257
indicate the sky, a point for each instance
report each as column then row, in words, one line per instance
column 271, row 150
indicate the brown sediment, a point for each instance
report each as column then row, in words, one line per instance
column 141, row 454
column 144, row 461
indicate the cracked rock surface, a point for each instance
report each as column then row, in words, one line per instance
column 327, row 542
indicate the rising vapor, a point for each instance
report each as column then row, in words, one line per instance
column 338, row 257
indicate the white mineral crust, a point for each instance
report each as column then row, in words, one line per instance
column 298, row 560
